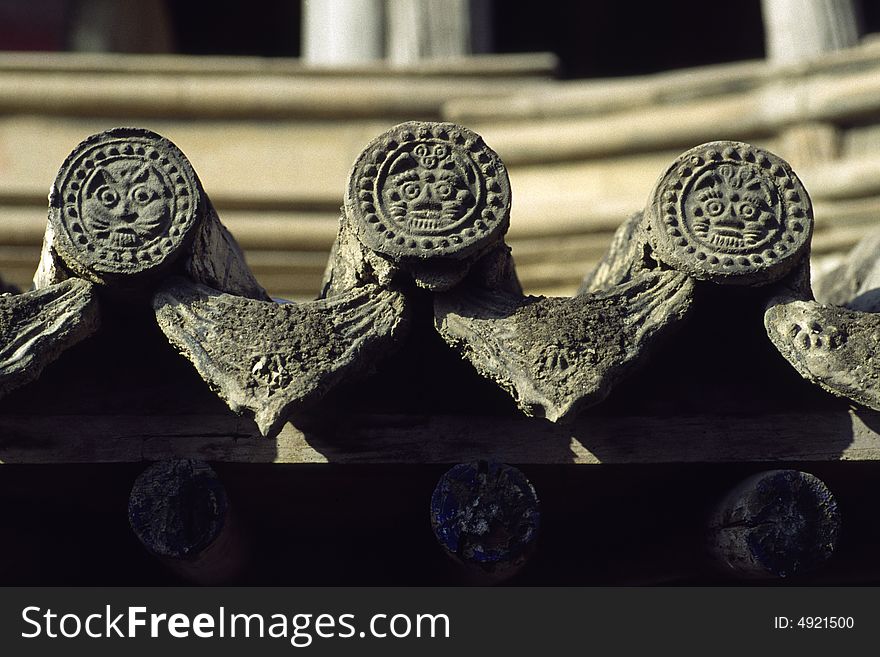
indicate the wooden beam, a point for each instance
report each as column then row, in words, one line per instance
column 773, row 524
column 190, row 96
column 840, row 435
column 180, row 512
column 844, row 98
column 531, row 65
column 486, row 517
column 601, row 96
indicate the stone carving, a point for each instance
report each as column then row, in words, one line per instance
column 428, row 189
column 273, row 359
column 836, row 348
column 125, row 201
column 723, row 212
column 558, row 355
column 432, row 200
column 764, row 240
column 728, row 212
column 429, row 204
column 127, row 207
column 128, row 213
column 428, row 198
column 36, row 327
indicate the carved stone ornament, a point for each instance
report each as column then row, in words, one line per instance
column 425, row 190
column 724, row 212
column 126, row 208
column 693, row 211
column 125, row 202
column 730, row 213
column 432, row 200
column 556, row 356
column 271, row 358
column 36, row 327
column 836, row 347
column 128, row 213
column 426, row 204
column 428, row 198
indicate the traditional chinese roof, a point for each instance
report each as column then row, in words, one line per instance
column 144, row 306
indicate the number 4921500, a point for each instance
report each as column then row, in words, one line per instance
column 825, row 622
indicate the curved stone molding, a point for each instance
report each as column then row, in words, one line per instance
column 428, row 198
column 273, row 359
column 836, row 348
column 557, row 355
column 730, row 213
column 36, row 327
column 126, row 208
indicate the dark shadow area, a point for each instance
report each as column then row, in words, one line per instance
column 591, row 39
column 869, row 417
column 606, row 39
column 122, row 394
column 720, row 365
column 227, row 27
column 719, row 361
column 35, row 25
column 369, row 525
column 423, row 376
column 869, row 299
column 127, row 367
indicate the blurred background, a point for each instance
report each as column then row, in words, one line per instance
column 586, row 102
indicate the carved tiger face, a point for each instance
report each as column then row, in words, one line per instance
column 731, row 208
column 126, row 203
column 428, row 200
